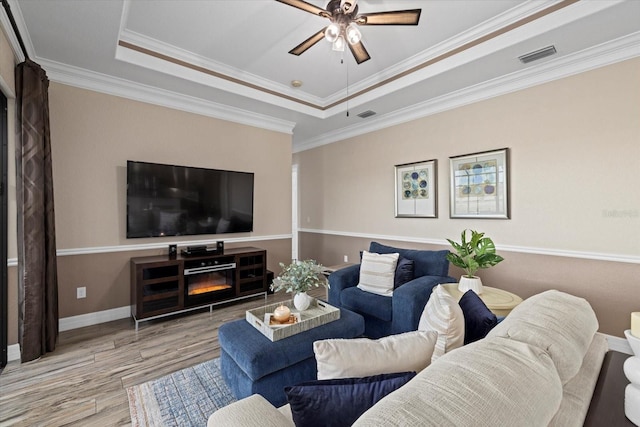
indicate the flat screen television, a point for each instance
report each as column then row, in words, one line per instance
column 170, row 200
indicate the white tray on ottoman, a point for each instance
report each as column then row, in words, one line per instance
column 318, row 313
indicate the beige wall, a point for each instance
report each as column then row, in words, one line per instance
column 574, row 144
column 93, row 135
column 7, row 62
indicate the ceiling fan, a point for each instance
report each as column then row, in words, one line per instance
column 343, row 28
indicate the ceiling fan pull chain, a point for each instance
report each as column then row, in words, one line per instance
column 342, row 62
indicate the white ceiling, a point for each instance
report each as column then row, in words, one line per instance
column 228, row 58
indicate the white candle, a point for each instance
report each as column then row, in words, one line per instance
column 635, row 324
column 281, row 313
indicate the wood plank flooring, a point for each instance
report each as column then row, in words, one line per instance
column 83, row 382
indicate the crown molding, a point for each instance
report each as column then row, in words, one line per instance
column 526, row 20
column 609, row 53
column 503, row 20
column 227, row 74
column 91, row 80
column 627, row 259
column 11, row 35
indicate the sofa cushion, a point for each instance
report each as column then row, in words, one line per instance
column 340, row 402
column 561, row 324
column 478, row 319
column 355, row 299
column 443, row 315
column 253, row 411
column 404, row 272
column 577, row 393
column 492, row 382
column 427, row 263
column 377, row 273
column 360, row 357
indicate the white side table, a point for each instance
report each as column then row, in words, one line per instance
column 332, row 268
column 500, row 302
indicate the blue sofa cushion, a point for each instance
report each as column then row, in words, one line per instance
column 340, row 402
column 427, row 263
column 359, row 301
column 404, row 272
column 478, row 319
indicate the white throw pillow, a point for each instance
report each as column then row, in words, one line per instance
column 377, row 272
column 443, row 315
column 362, row 357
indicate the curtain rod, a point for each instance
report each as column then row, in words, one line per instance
column 5, row 3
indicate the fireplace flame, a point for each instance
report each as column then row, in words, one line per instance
column 207, row 283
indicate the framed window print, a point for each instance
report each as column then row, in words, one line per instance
column 416, row 190
column 480, row 185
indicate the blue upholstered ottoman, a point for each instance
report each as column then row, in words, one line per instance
column 251, row 363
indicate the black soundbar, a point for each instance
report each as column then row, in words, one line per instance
column 198, row 250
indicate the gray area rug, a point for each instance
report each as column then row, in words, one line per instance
column 183, row 398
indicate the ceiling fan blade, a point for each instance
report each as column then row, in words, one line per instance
column 307, row 7
column 398, row 17
column 359, row 52
column 302, row 47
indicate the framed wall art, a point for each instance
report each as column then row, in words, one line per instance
column 480, row 185
column 417, row 190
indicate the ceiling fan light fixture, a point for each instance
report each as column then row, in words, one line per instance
column 353, row 34
column 338, row 44
column 332, row 32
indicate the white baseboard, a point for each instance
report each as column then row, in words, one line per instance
column 13, row 352
column 619, row 344
column 89, row 319
column 80, row 321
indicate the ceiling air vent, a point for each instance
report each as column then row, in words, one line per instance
column 538, row 54
column 366, row 114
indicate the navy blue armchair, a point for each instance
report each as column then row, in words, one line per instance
column 400, row 313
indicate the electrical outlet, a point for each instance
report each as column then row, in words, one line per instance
column 81, row 292
column 346, row 258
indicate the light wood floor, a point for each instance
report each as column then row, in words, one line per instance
column 83, row 382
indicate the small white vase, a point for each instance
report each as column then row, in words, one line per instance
column 474, row 283
column 301, row 301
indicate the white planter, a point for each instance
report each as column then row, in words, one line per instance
column 474, row 283
column 301, row 301
column 632, row 371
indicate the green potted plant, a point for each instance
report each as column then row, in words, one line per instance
column 472, row 255
column 299, row 277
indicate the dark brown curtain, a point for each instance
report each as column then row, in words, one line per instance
column 37, row 270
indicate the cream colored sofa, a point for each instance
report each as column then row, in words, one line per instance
column 538, row 367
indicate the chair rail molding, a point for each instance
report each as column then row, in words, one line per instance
column 509, row 248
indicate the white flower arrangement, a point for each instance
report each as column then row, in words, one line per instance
column 299, row 276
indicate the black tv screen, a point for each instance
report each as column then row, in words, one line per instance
column 169, row 200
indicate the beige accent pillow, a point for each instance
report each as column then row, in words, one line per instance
column 443, row 315
column 377, row 272
column 362, row 357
